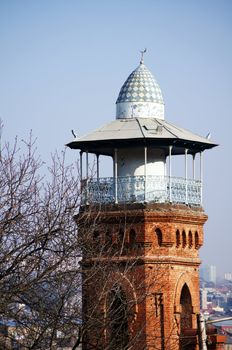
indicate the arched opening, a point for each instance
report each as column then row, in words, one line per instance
column 196, row 240
column 185, row 319
column 190, row 239
column 186, row 309
column 184, row 242
column 177, row 239
column 118, row 322
column 159, row 236
column 132, row 238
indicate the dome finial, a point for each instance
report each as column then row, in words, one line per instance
column 142, row 53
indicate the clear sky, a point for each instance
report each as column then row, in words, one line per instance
column 62, row 64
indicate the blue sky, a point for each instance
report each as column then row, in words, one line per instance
column 62, row 64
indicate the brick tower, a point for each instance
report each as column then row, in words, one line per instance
column 142, row 228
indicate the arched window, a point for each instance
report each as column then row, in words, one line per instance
column 132, row 237
column 177, row 239
column 118, row 322
column 159, row 236
column 196, row 240
column 184, row 241
column 190, row 239
column 186, row 309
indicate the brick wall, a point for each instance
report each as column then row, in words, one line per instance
column 154, row 257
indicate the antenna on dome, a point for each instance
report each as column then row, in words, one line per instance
column 142, row 53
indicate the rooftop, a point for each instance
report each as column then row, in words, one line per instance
column 139, row 131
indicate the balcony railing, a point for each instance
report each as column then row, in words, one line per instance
column 131, row 189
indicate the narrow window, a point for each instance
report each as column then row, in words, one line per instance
column 190, row 239
column 184, row 239
column 186, row 308
column 196, row 240
column 118, row 322
column 177, row 239
column 159, row 236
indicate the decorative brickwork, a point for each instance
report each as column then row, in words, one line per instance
column 146, row 258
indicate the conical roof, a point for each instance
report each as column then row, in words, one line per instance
column 137, row 132
column 140, row 86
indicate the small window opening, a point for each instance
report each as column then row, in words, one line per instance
column 184, row 242
column 190, row 239
column 196, row 240
column 177, row 239
column 159, row 236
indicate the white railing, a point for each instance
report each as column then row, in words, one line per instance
column 132, row 189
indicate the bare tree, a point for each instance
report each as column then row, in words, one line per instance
column 48, row 262
column 39, row 270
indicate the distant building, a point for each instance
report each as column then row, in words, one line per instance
column 203, row 299
column 228, row 276
column 208, row 273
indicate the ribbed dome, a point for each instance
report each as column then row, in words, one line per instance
column 140, row 86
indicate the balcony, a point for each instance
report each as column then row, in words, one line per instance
column 140, row 189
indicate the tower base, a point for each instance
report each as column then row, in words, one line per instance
column 141, row 276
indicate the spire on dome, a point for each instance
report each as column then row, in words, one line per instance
column 142, row 53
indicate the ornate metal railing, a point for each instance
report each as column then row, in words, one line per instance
column 140, row 189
